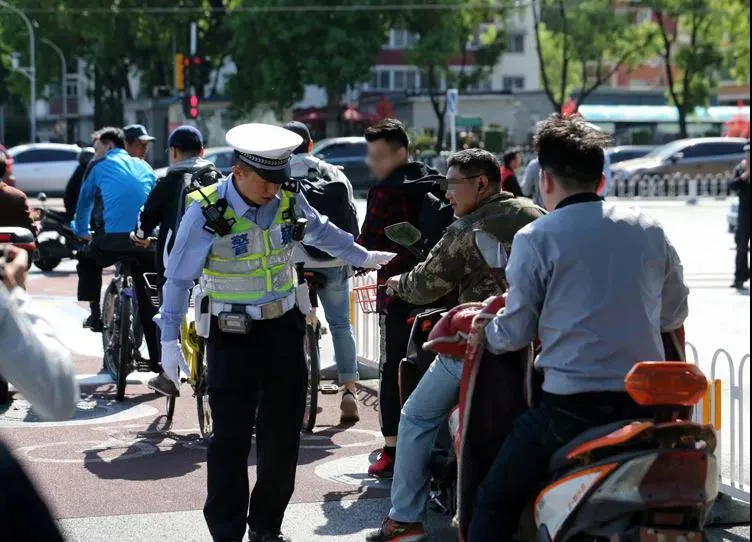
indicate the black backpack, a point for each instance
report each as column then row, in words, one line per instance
column 329, row 194
column 205, row 176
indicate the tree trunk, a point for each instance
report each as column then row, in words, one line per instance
column 440, row 134
column 682, row 110
column 333, row 100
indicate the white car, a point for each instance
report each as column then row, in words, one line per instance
column 44, row 167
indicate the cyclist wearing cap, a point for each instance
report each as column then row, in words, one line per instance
column 137, row 140
column 165, row 205
column 112, row 193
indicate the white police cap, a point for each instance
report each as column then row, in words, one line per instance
column 266, row 148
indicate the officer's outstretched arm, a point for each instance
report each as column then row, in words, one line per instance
column 322, row 234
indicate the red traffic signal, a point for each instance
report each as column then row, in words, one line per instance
column 190, row 106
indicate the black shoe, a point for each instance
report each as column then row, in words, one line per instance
column 162, row 384
column 738, row 285
column 267, row 537
column 94, row 323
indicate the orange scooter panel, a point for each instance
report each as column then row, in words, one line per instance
column 620, row 436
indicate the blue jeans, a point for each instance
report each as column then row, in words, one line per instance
column 422, row 416
column 335, row 299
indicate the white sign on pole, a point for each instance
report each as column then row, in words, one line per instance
column 451, row 99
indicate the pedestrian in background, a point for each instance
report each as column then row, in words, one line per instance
column 740, row 185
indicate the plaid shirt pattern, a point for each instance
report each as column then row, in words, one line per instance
column 387, row 205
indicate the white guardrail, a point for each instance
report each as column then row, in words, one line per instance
column 670, row 186
column 722, row 395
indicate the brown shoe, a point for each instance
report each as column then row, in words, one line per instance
column 349, row 407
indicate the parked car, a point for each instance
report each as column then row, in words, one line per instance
column 732, row 218
column 44, row 167
column 8, row 178
column 706, row 156
column 350, row 153
column 627, row 152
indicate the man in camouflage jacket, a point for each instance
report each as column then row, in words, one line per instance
column 473, row 189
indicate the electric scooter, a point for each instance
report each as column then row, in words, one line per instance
column 62, row 244
column 636, row 480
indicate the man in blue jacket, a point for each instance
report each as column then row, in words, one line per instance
column 111, row 197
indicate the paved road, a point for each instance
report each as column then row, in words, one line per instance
column 116, row 472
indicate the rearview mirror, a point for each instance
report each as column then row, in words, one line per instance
column 491, row 250
column 403, row 233
column 677, row 156
column 42, row 196
column 406, row 235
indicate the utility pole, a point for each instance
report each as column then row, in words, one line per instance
column 30, row 72
column 64, row 87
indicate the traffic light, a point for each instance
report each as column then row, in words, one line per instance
column 190, row 105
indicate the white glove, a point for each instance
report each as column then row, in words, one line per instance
column 173, row 361
column 376, row 259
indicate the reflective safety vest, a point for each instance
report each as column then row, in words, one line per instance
column 250, row 262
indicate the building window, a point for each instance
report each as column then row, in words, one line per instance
column 412, row 80
column 374, row 82
column 71, row 88
column 385, row 82
column 513, row 82
column 399, row 80
column 516, row 43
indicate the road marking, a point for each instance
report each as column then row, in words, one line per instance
column 351, row 471
column 89, row 411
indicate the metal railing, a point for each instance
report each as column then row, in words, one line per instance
column 673, row 186
column 710, row 411
column 365, row 326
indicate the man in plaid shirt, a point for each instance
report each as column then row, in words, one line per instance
column 397, row 197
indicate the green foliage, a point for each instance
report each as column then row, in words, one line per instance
column 278, row 53
column 581, row 47
column 444, row 36
column 691, row 32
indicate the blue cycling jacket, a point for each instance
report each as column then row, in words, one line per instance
column 118, row 184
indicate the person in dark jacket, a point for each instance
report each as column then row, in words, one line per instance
column 512, row 161
column 73, row 188
column 164, row 207
column 397, row 197
column 740, row 185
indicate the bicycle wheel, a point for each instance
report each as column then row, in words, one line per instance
column 311, row 348
column 111, row 329
column 124, row 352
column 203, row 408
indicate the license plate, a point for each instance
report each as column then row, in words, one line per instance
column 649, row 534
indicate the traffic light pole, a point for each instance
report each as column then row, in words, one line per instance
column 191, row 67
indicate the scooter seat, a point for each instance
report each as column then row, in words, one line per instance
column 560, row 460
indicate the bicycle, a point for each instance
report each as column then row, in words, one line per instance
column 122, row 334
column 311, row 347
column 194, row 351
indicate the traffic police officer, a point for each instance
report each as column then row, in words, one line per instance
column 237, row 237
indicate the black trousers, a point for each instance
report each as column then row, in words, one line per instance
column 106, row 250
column 742, row 249
column 23, row 513
column 397, row 333
column 522, row 464
column 260, row 379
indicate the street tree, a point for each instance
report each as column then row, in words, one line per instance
column 455, row 48
column 690, row 38
column 280, row 50
column 581, row 47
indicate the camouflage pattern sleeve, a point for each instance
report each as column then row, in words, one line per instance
column 440, row 273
